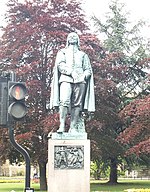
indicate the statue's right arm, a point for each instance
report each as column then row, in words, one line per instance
column 61, row 63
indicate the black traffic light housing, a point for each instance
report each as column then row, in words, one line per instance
column 17, row 92
column 3, row 101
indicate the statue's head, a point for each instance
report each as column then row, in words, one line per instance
column 73, row 39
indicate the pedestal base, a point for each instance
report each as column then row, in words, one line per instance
column 68, row 165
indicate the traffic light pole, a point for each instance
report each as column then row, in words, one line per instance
column 12, row 107
column 26, row 156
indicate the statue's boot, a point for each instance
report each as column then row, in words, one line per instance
column 61, row 129
column 62, row 117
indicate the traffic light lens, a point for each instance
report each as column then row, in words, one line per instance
column 18, row 91
column 17, row 110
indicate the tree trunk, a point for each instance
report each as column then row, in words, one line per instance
column 43, row 180
column 113, row 171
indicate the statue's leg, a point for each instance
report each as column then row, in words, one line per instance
column 81, row 125
column 74, row 118
column 65, row 94
column 62, row 116
column 77, row 103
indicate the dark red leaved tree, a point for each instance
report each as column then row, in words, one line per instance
column 34, row 33
column 136, row 117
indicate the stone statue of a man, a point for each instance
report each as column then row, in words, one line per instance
column 72, row 87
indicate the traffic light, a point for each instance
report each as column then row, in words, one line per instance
column 3, row 101
column 17, row 92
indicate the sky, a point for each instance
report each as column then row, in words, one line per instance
column 139, row 9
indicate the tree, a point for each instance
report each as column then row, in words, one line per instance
column 124, row 39
column 128, row 55
column 34, row 33
column 135, row 137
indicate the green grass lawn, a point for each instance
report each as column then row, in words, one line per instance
column 17, row 187
column 121, row 186
column 96, row 186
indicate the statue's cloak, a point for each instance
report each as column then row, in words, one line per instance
column 89, row 101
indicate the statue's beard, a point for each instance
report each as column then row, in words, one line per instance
column 73, row 47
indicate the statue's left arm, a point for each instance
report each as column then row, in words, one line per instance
column 89, row 103
column 87, row 66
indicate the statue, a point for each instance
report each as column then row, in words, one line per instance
column 72, row 88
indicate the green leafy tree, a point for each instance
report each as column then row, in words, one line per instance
column 128, row 55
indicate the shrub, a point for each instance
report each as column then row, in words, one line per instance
column 137, row 190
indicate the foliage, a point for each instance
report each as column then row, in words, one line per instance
column 137, row 190
column 11, row 181
column 136, row 117
column 126, row 60
column 99, row 170
column 34, row 33
column 132, row 51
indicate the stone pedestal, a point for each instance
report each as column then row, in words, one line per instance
column 68, row 165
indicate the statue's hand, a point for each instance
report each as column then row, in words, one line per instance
column 54, row 110
column 74, row 75
column 78, row 77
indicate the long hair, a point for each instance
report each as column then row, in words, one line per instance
column 73, row 33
